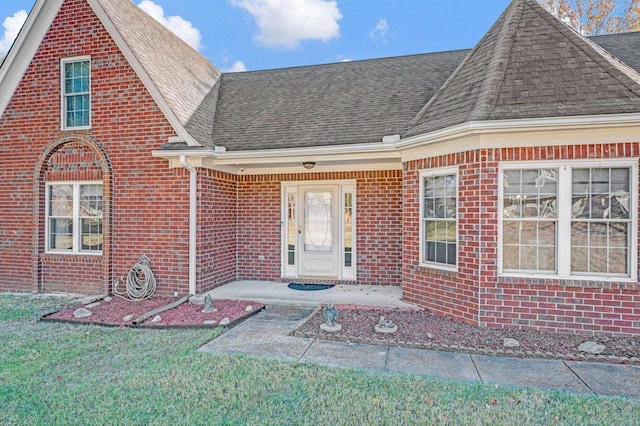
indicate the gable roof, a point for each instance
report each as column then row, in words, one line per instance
column 530, row 65
column 182, row 75
column 177, row 76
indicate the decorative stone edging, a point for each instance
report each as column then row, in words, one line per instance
column 580, row 357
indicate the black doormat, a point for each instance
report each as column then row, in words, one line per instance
column 310, row 287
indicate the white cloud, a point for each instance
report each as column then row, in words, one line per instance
column 176, row 24
column 284, row 23
column 238, row 66
column 12, row 25
column 380, row 31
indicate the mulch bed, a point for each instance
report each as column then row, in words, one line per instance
column 424, row 329
column 112, row 312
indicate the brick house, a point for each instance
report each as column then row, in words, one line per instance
column 497, row 185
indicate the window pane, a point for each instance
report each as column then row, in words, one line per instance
column 348, row 229
column 318, row 221
column 92, row 234
column 91, row 201
column 61, row 200
column 76, row 94
column 60, row 234
column 291, row 229
column 530, row 210
column 600, row 220
column 618, row 261
column 440, row 213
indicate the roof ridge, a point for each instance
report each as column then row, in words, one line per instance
column 602, row 54
column 487, row 84
column 487, row 97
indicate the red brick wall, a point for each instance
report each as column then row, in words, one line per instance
column 585, row 307
column 454, row 294
column 217, row 229
column 378, row 224
column 149, row 208
column 475, row 293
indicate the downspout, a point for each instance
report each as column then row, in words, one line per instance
column 193, row 217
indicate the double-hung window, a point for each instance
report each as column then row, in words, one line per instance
column 569, row 219
column 439, row 218
column 74, row 217
column 76, row 93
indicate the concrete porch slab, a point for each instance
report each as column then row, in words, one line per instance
column 269, row 292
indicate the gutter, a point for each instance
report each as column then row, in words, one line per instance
column 193, row 217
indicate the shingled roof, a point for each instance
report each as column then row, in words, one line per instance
column 337, row 104
column 530, row 65
column 182, row 75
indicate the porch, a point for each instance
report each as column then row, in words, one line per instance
column 274, row 293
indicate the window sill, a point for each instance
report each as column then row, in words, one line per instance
column 72, row 254
column 439, row 269
column 578, row 282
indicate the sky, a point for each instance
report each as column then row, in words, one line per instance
column 247, row 35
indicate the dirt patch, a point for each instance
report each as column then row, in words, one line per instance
column 423, row 329
column 122, row 312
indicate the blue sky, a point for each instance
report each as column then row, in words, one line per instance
column 263, row 34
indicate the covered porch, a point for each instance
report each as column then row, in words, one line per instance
column 275, row 293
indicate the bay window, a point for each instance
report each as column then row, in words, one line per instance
column 569, row 219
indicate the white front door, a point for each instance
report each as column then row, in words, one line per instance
column 319, row 231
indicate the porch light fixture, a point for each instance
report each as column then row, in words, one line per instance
column 309, row 165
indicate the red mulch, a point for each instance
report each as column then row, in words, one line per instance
column 423, row 329
column 113, row 312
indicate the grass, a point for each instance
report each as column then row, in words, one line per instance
column 61, row 374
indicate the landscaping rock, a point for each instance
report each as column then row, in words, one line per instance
column 108, row 299
column 249, row 308
column 591, row 348
column 82, row 313
column 127, row 318
column 330, row 328
column 429, row 336
column 92, row 305
column 210, row 322
column 156, row 319
column 225, row 321
column 510, row 343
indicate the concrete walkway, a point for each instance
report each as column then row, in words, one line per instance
column 266, row 335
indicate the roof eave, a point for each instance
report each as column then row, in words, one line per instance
column 25, row 47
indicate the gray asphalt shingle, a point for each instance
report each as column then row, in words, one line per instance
column 529, row 65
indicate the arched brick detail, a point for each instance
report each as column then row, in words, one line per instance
column 75, row 157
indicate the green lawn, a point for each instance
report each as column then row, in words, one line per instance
column 57, row 374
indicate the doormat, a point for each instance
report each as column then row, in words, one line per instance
column 310, row 287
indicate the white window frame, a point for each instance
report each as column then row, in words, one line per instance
column 430, row 173
column 563, row 244
column 63, row 94
column 76, row 220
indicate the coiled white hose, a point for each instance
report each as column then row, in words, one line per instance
column 141, row 283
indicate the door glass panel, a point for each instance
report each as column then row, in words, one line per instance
column 348, row 229
column 291, row 229
column 318, row 221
